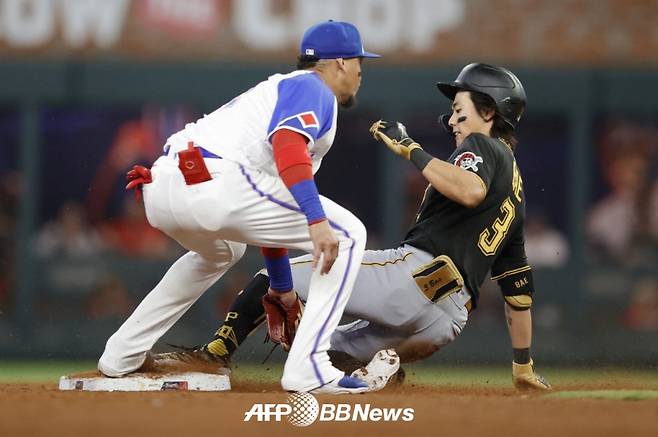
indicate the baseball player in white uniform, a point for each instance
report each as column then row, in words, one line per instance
column 416, row 298
column 244, row 175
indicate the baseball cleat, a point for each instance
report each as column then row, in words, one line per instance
column 398, row 378
column 197, row 359
column 379, row 370
column 343, row 385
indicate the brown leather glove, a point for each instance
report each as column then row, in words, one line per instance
column 282, row 321
column 525, row 378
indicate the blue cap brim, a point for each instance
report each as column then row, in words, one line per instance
column 370, row 55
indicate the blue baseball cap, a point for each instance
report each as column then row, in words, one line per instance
column 333, row 39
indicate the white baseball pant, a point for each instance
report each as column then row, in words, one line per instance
column 214, row 220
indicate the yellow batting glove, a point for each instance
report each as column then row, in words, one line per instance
column 394, row 135
column 525, row 378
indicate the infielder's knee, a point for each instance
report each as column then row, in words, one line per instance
column 228, row 256
column 356, row 231
column 360, row 231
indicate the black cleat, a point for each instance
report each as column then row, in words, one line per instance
column 197, row 359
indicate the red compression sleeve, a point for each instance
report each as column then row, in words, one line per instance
column 291, row 157
column 295, row 169
column 271, row 252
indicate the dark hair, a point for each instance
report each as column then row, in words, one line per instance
column 306, row 62
column 500, row 129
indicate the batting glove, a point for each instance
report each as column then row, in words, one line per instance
column 525, row 378
column 136, row 178
column 394, row 135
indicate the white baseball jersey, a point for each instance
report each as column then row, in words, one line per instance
column 241, row 130
column 245, row 202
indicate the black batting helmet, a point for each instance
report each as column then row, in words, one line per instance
column 496, row 82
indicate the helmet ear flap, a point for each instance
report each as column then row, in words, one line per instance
column 444, row 120
column 514, row 109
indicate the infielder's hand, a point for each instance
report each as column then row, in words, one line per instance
column 325, row 245
column 525, row 378
column 283, row 313
column 394, row 135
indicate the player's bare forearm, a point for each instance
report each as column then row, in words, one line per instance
column 519, row 324
column 457, row 184
column 454, row 182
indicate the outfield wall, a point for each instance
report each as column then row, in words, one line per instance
column 588, row 135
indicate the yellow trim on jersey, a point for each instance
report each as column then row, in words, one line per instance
column 380, row 264
column 510, row 272
column 507, row 143
column 423, row 201
column 517, row 182
column 486, row 190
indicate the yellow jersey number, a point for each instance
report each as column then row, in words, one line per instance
column 491, row 238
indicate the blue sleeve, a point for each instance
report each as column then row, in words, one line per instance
column 304, row 105
column 278, row 269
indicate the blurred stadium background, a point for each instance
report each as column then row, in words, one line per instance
column 89, row 87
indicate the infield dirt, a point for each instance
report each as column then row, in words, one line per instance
column 43, row 410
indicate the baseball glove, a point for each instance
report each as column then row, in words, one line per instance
column 282, row 320
column 525, row 378
column 394, row 135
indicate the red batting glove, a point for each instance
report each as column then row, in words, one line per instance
column 137, row 177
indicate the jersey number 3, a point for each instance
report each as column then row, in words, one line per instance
column 491, row 238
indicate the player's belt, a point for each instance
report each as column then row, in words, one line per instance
column 191, row 163
column 205, row 153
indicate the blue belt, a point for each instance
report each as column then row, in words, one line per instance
column 205, row 153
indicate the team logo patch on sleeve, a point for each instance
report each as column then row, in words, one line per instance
column 308, row 119
column 468, row 160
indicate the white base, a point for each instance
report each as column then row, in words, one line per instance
column 192, row 381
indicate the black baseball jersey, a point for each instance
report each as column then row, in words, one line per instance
column 487, row 237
